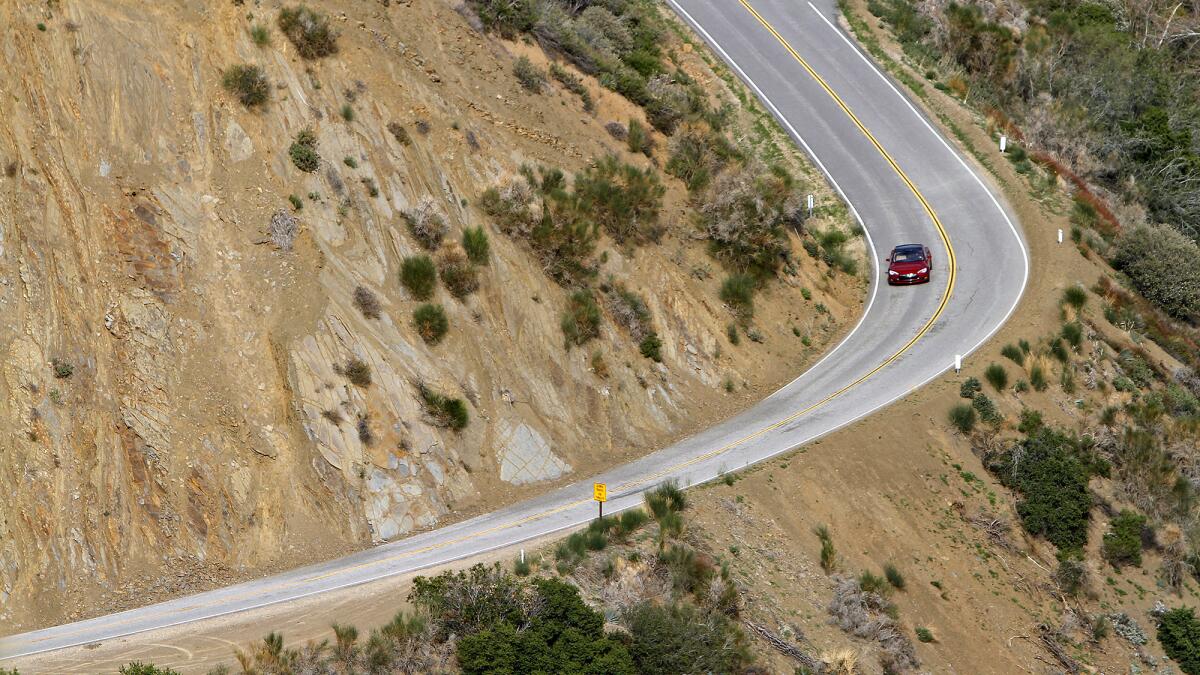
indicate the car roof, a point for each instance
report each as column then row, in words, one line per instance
column 910, row 247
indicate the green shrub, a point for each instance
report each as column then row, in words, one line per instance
column 431, row 323
column 347, row 112
column 746, row 214
column 695, row 157
column 1123, row 541
column 1179, row 634
column 1031, row 421
column 1071, row 574
column 734, row 335
column 1037, row 378
column 531, row 78
column 873, row 583
column 1024, row 345
column 62, row 369
column 308, row 31
column 458, row 275
column 303, row 151
column 828, row 553
column 134, row 668
column 894, row 577
column 1164, row 265
column 996, row 376
column 970, row 387
column 962, row 416
column 924, row 634
column 1075, row 296
column 419, row 276
column 248, row 83
column 988, row 412
column 1052, row 480
column 581, row 320
column 737, row 291
column 1014, row 354
column 261, row 35
column 623, row 199
column 350, row 162
column 446, row 411
column 679, row 638
column 831, row 246
column 1073, row 333
column 651, row 347
column 475, row 243
column 1059, row 350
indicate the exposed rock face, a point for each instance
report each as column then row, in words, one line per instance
column 206, row 416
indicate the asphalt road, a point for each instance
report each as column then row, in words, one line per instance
column 905, row 183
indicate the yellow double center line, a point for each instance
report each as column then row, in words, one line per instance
column 951, row 274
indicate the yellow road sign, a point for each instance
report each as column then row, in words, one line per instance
column 600, row 492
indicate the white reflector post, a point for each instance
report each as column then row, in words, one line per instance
column 1060, row 235
column 1003, row 142
column 957, row 362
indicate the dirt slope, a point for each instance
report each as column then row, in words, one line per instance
column 174, row 410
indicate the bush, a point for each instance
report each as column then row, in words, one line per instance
column 828, row 553
column 574, row 85
column 737, row 291
column 894, row 577
column 1031, row 421
column 531, row 78
column 696, row 157
column 446, row 411
column 1071, row 575
column 475, row 243
column 651, row 347
column 261, row 35
column 924, row 634
column 745, row 216
column 962, row 416
column 1053, row 484
column 419, row 276
column 134, row 668
column 431, row 323
column 303, row 151
column 1164, row 265
column 62, row 369
column 399, row 133
column 996, row 376
column 426, row 224
column 622, row 198
column 457, row 273
column 679, row 638
column 581, row 320
column 970, row 387
column 1123, row 541
column 248, row 83
column 1014, row 354
column 1075, row 296
column 1179, row 634
column 988, row 412
column 873, row 583
column 358, row 372
column 308, row 31
column 367, row 302
column 1073, row 333
column 1059, row 351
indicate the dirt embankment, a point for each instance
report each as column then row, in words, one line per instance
column 175, row 405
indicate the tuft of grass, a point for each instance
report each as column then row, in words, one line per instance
column 303, row 151
column 419, row 276
column 637, row 139
column 350, row 162
column 248, row 83
column 996, row 376
column 446, row 411
column 1014, row 354
column 260, row 34
column 297, row 203
column 581, row 320
column 894, row 577
column 358, row 372
column 1037, row 378
column 367, row 302
column 924, row 634
column 347, row 112
column 1075, row 296
column 963, row 417
column 62, row 369
column 522, row 568
column 731, row 331
column 828, row 553
column 873, row 583
column 1073, row 333
column 309, row 32
column 737, row 291
column 431, row 323
column 1059, row 351
column 531, row 78
column 475, row 243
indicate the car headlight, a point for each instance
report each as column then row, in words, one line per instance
column 923, row 270
column 892, row 272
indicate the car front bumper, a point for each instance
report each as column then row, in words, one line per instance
column 907, row 279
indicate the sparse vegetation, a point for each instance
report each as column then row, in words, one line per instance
column 248, row 83
column 419, row 276
column 622, row 198
column 475, row 243
column 398, row 132
column 574, row 85
column 637, row 138
column 431, row 323
column 62, row 369
column 1075, row 297
column 996, row 376
column 1123, row 542
column 309, row 32
column 962, row 416
column 358, row 372
column 737, row 291
column 426, row 223
column 261, row 35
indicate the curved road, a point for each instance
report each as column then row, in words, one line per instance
column 904, row 182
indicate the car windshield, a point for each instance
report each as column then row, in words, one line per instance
column 908, row 255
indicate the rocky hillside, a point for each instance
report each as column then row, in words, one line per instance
column 226, row 347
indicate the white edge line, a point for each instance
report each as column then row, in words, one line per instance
column 874, row 290
column 963, row 162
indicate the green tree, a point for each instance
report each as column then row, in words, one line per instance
column 1179, row 634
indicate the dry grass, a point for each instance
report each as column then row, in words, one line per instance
column 283, row 229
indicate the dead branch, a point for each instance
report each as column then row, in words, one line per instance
column 786, row 648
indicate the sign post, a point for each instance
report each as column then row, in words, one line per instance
column 1003, row 142
column 600, row 494
column 810, row 205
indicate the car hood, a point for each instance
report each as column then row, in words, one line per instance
column 905, row 267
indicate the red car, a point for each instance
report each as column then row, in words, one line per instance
column 909, row 264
